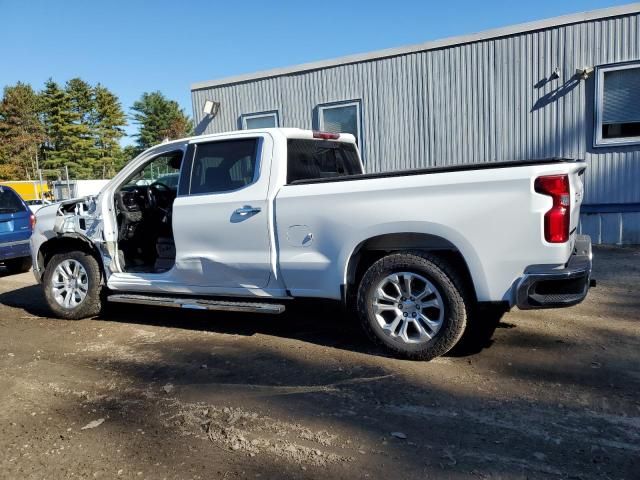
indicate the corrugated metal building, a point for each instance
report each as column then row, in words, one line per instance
column 563, row 87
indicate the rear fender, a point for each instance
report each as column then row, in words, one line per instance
column 373, row 248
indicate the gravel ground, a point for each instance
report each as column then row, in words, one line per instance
column 151, row 393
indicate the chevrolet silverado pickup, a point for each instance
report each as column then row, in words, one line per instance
column 252, row 220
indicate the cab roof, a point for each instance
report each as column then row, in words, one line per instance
column 298, row 133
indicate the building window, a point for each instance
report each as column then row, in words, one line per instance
column 260, row 120
column 344, row 117
column 618, row 105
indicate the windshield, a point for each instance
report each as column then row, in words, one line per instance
column 9, row 201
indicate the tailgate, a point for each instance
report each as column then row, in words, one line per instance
column 15, row 226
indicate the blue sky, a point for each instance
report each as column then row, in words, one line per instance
column 134, row 46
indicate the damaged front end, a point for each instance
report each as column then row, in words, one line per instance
column 79, row 216
column 76, row 224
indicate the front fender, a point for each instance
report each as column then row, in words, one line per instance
column 70, row 225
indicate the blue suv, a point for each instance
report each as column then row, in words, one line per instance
column 16, row 225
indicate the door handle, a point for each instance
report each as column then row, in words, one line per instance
column 247, row 210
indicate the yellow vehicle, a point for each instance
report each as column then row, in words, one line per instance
column 29, row 189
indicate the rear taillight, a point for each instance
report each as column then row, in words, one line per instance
column 32, row 221
column 326, row 135
column 557, row 219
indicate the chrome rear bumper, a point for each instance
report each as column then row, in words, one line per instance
column 545, row 287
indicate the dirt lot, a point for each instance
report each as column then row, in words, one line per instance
column 171, row 394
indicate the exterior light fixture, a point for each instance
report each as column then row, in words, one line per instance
column 211, row 107
column 584, row 72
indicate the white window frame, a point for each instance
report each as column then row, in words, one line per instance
column 598, row 141
column 189, row 169
column 348, row 103
column 250, row 116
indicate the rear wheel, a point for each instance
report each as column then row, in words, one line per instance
column 413, row 304
column 18, row 265
column 72, row 285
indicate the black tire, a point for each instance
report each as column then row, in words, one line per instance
column 450, row 287
column 18, row 265
column 92, row 302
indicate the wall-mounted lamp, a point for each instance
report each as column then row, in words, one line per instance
column 211, row 108
column 584, row 72
column 555, row 75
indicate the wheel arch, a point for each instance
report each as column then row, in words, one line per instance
column 67, row 243
column 372, row 249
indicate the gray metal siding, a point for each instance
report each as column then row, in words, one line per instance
column 477, row 102
column 612, row 228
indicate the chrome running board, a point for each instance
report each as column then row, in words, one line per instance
column 198, row 303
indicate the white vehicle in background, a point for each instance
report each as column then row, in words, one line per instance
column 35, row 205
column 256, row 219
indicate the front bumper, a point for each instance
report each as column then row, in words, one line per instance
column 546, row 287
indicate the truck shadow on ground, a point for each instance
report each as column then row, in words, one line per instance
column 317, row 322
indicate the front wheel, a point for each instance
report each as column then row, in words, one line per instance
column 413, row 304
column 72, row 285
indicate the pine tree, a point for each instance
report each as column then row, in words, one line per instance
column 79, row 127
column 159, row 118
column 56, row 115
column 127, row 154
column 108, row 121
column 80, row 151
column 21, row 132
column 84, row 125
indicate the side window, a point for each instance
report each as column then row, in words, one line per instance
column 341, row 118
column 260, row 120
column 224, row 166
column 618, row 105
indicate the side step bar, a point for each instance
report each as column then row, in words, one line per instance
column 198, row 303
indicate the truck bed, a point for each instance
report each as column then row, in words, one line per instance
column 490, row 213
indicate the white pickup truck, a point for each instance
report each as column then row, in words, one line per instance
column 250, row 220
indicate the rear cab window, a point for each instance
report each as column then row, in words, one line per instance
column 10, row 202
column 317, row 159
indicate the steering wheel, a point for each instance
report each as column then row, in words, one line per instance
column 153, row 191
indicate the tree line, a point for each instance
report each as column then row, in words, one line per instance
column 79, row 126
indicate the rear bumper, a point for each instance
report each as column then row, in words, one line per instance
column 546, row 287
column 15, row 249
